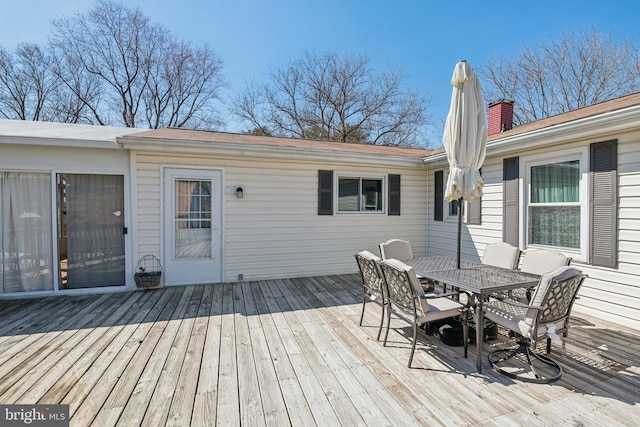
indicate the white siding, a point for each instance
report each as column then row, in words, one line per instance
column 614, row 294
column 62, row 159
column 609, row 294
column 275, row 231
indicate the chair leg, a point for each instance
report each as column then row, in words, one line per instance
column 384, row 306
column 386, row 334
column 364, row 304
column 465, row 336
column 510, row 362
column 413, row 346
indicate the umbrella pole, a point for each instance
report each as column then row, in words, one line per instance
column 459, row 231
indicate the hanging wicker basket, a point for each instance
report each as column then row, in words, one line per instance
column 148, row 272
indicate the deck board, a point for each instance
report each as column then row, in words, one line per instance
column 288, row 352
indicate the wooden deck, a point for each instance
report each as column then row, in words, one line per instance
column 287, row 352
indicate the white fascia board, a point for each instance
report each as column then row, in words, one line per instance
column 58, row 142
column 51, row 134
column 265, row 152
column 596, row 127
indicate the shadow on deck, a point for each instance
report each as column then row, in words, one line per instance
column 287, row 352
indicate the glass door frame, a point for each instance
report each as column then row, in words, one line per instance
column 128, row 266
column 213, row 265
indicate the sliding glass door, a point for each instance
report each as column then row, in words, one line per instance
column 26, row 250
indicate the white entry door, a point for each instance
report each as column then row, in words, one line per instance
column 192, row 222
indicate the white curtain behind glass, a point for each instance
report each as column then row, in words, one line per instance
column 193, row 219
column 26, row 233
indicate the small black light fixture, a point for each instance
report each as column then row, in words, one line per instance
column 239, row 192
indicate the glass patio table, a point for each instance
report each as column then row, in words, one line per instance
column 476, row 280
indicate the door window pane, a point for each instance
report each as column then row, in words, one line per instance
column 192, row 219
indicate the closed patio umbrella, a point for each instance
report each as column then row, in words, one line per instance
column 465, row 140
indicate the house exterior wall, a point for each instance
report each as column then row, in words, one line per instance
column 275, row 231
column 612, row 294
column 65, row 159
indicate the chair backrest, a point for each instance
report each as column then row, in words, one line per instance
column 543, row 261
column 397, row 249
column 555, row 293
column 370, row 271
column 501, row 254
column 403, row 286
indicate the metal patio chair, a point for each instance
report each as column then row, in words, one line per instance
column 396, row 249
column 505, row 255
column 407, row 299
column 501, row 254
column 401, row 250
column 541, row 261
column 545, row 317
column 372, row 283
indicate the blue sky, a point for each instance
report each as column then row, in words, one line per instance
column 423, row 39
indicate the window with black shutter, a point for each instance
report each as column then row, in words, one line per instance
column 438, row 195
column 510, row 210
column 358, row 194
column 394, row 195
column 325, row 192
column 603, row 206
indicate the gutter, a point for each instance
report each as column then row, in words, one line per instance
column 226, row 149
column 594, row 127
column 58, row 142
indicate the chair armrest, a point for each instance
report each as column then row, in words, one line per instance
column 521, row 305
column 444, row 294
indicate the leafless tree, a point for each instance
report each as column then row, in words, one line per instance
column 578, row 70
column 78, row 96
column 334, row 98
column 26, row 84
column 181, row 84
column 125, row 70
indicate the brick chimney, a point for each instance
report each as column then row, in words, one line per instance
column 500, row 116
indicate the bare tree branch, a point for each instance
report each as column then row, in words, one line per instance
column 334, row 98
column 575, row 71
column 111, row 66
column 26, row 84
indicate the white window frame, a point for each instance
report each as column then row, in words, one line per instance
column 581, row 154
column 353, row 175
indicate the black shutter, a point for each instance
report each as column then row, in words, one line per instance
column 393, row 195
column 511, row 208
column 603, row 204
column 438, row 195
column 474, row 211
column 325, row 192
